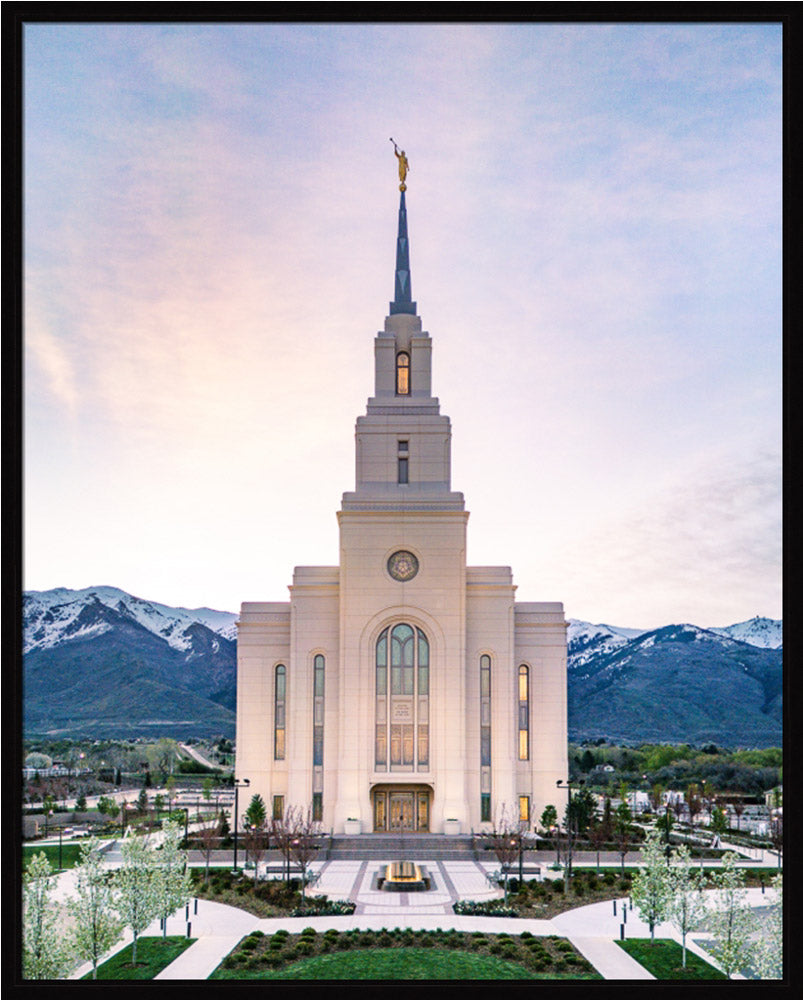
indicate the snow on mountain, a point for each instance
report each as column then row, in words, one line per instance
column 767, row 633
column 587, row 641
column 50, row 617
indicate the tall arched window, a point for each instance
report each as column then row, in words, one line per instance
column 402, row 374
column 485, row 738
column 524, row 712
column 279, row 696
column 318, row 669
column 402, row 700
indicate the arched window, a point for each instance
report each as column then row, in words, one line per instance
column 279, row 696
column 402, row 700
column 524, row 712
column 318, row 671
column 402, row 374
column 485, row 738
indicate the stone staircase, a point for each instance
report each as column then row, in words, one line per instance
column 400, row 847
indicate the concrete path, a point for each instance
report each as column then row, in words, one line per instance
column 593, row 930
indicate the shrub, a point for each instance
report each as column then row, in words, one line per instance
column 308, row 932
column 344, row 942
column 557, row 887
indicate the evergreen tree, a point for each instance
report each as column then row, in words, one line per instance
column 96, row 926
column 731, row 919
column 255, row 814
column 44, row 956
column 686, row 903
column 651, row 887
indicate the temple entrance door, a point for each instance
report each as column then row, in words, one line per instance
column 401, row 811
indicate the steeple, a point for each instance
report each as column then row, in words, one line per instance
column 403, row 302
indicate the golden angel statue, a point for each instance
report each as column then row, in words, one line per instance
column 404, row 165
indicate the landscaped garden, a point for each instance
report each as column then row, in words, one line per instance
column 664, row 959
column 153, row 955
column 402, row 954
column 267, row 898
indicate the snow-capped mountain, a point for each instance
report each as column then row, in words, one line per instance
column 100, row 661
column 587, row 641
column 767, row 633
column 51, row 617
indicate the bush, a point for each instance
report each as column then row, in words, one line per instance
column 557, row 887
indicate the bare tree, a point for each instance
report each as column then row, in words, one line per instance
column 209, row 838
column 504, row 839
column 738, row 808
column 303, row 839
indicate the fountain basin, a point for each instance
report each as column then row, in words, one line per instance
column 404, row 876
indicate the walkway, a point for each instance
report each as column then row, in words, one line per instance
column 593, row 930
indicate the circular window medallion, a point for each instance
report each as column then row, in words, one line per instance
column 402, row 566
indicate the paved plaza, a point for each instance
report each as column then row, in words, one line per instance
column 592, row 929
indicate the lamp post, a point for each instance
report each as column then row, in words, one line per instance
column 667, row 833
column 238, row 784
column 569, row 785
column 60, row 832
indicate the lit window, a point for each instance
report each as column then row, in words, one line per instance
column 524, row 808
column 278, row 807
column 524, row 713
column 279, row 712
column 402, row 374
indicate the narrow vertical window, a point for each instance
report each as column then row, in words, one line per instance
column 317, row 807
column 402, row 374
column 318, row 679
column 524, row 809
column 524, row 712
column 278, row 807
column 403, row 462
column 279, row 712
column 485, row 738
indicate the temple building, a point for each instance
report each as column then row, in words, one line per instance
column 403, row 690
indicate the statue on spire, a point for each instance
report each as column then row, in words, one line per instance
column 404, row 165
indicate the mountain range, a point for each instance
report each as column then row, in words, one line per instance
column 100, row 662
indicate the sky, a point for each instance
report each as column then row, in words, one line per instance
column 594, row 215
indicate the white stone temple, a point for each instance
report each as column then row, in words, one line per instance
column 402, row 688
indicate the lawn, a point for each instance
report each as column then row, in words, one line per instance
column 153, row 955
column 70, row 854
column 664, row 960
column 402, row 954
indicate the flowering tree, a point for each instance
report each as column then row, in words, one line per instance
column 731, row 919
column 651, row 886
column 96, row 926
column 136, row 899
column 768, row 952
column 172, row 883
column 44, row 956
column 686, row 905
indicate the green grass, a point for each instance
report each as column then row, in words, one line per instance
column 402, row 954
column 664, row 960
column 70, row 854
column 394, row 963
column 153, row 955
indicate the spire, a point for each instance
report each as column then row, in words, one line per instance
column 403, row 302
